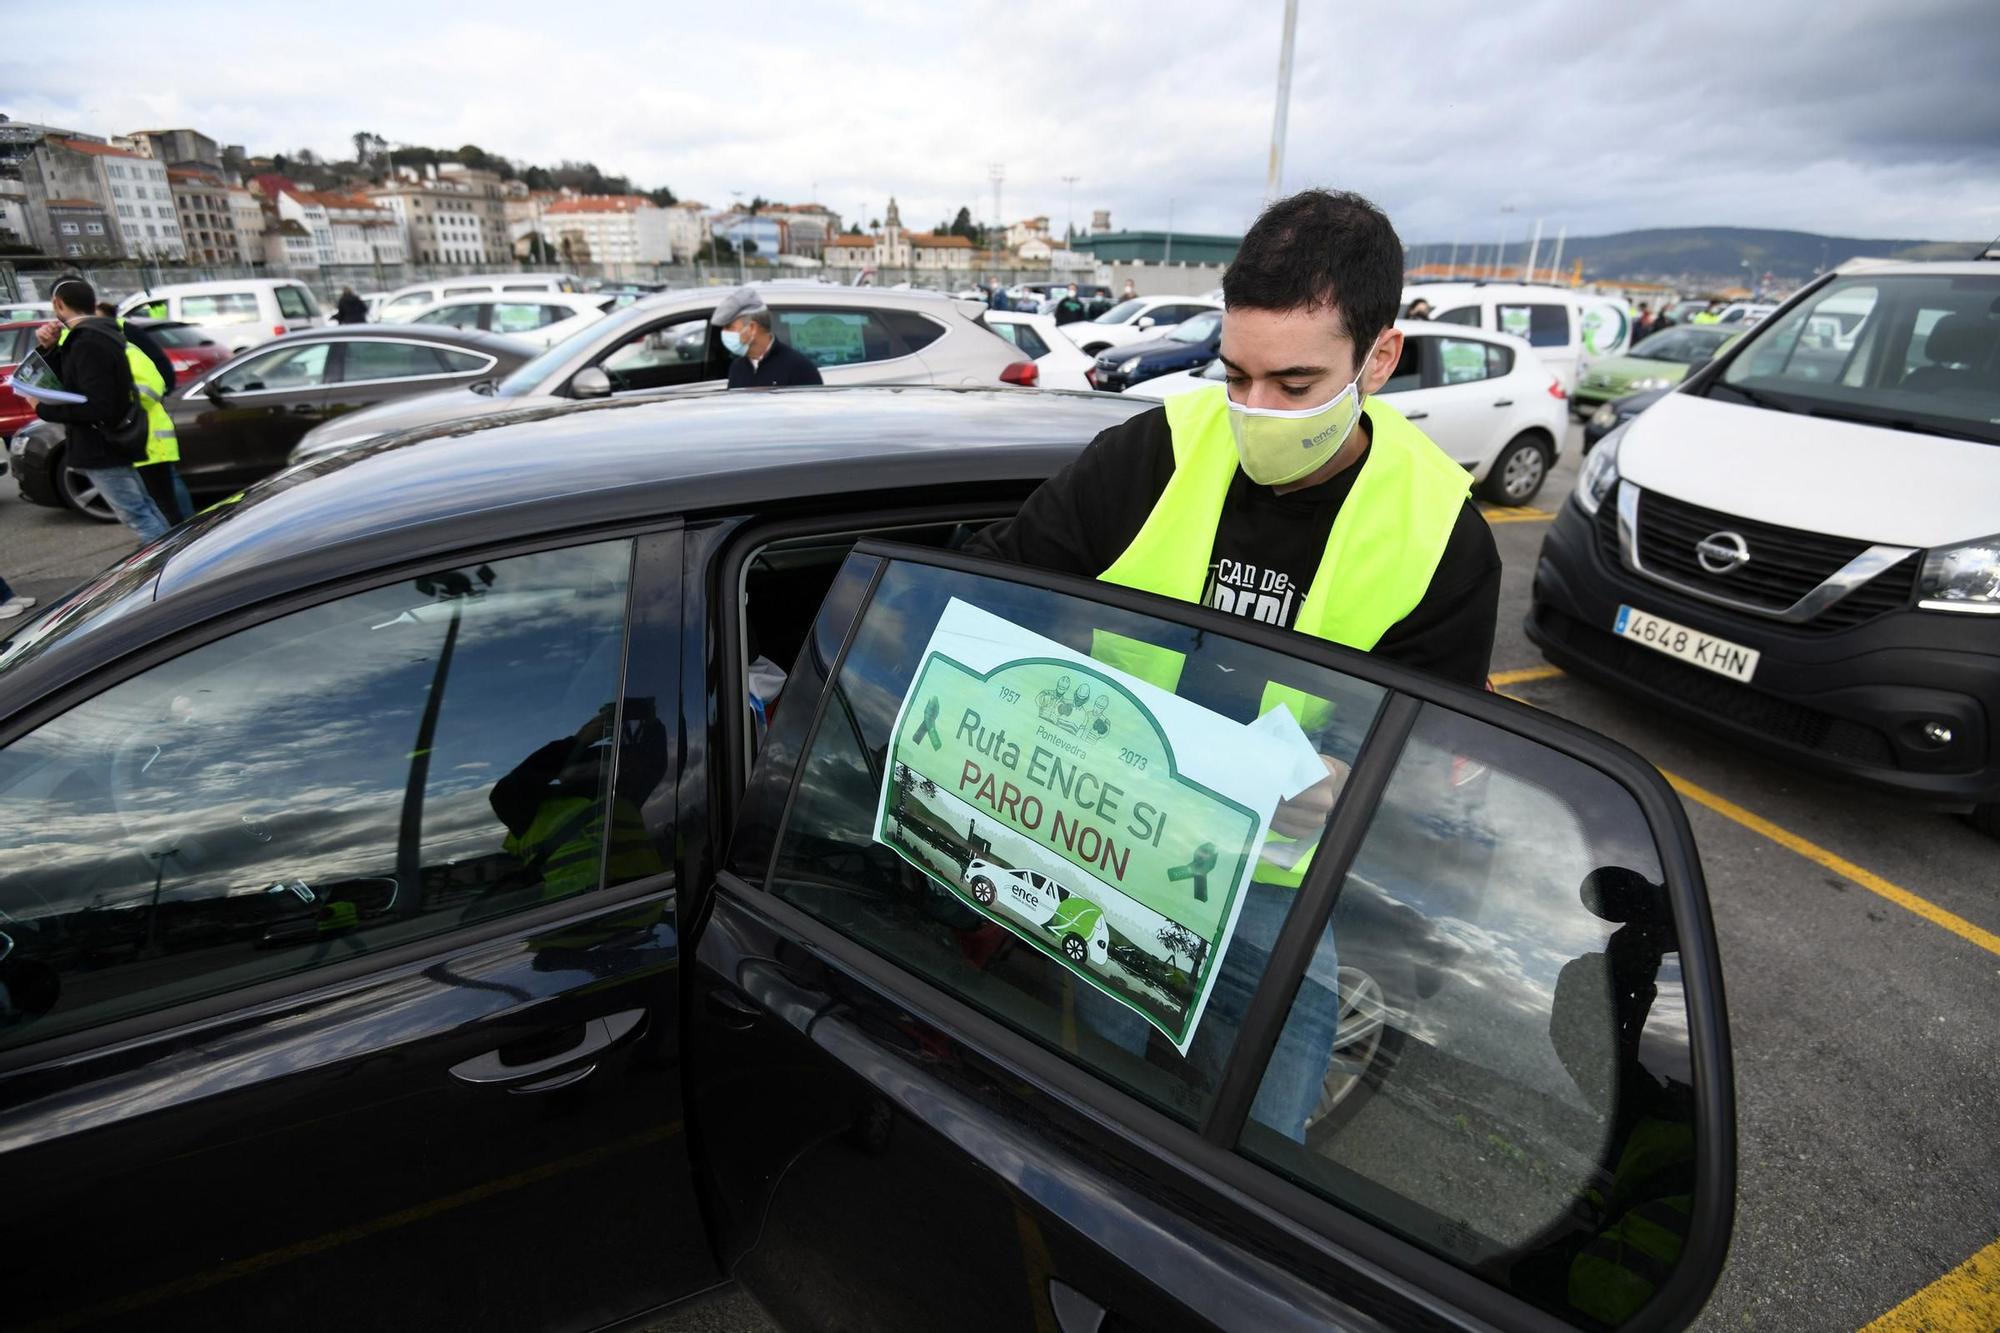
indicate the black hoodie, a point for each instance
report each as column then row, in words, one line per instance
column 91, row 361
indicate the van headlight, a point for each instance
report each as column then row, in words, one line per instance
column 1962, row 578
column 1599, row 474
column 1129, row 366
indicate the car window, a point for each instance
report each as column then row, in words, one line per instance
column 461, row 363
column 1500, row 986
column 1122, row 313
column 294, row 303
column 526, row 317
column 1023, row 336
column 1463, row 360
column 1541, row 324
column 1197, row 328
column 220, row 308
column 524, row 286
column 1499, row 360
column 368, row 359
column 371, row 771
column 1409, row 368
column 408, row 301
column 452, row 316
column 836, row 337
column 1467, row 315
column 292, row 367
column 671, row 352
column 480, row 290
column 14, row 344
column 912, row 330
column 915, row 841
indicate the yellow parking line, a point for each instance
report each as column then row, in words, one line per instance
column 1846, row 869
column 1965, row 1300
column 1502, row 679
column 1791, row 841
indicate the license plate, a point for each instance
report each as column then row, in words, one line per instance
column 1689, row 645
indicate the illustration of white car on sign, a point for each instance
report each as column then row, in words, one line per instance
column 1040, row 901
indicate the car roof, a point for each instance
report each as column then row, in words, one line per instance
column 438, row 333
column 442, row 488
column 1951, row 268
column 214, row 285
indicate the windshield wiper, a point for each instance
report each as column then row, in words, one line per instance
column 1903, row 423
column 1753, row 397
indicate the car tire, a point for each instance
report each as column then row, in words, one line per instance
column 1073, row 949
column 982, row 891
column 1364, row 1052
column 79, row 495
column 1986, row 818
column 1518, row 473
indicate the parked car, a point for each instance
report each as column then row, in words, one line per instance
column 856, row 335
column 542, row 318
column 188, row 347
column 1140, row 319
column 1610, row 416
column 1569, row 330
column 750, row 1042
column 415, row 296
column 1058, row 363
column 1743, row 313
column 1733, row 556
column 1659, row 362
column 1485, row 398
column 239, row 313
column 1189, row 345
column 11, row 312
column 17, row 339
column 237, row 423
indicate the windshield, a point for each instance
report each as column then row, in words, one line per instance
column 1122, row 313
column 1919, row 351
column 1197, row 330
column 529, row 377
column 1683, row 347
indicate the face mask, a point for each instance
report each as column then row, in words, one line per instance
column 1276, row 446
column 733, row 340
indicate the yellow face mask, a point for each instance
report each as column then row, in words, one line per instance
column 1276, row 446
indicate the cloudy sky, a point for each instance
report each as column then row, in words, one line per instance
column 1869, row 118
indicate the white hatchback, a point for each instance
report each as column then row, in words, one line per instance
column 1058, row 363
column 542, row 318
column 1485, row 398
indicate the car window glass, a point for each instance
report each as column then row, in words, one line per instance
column 301, row 367
column 1500, row 987
column 329, row 783
column 368, row 359
column 524, row 287
column 1125, row 944
column 1029, row 340
column 457, row 363
column 672, row 352
column 220, row 308
column 1462, row 360
column 836, row 337
column 1499, row 360
column 1465, row 314
column 1409, row 368
column 292, row 303
column 1122, row 313
column 1197, row 328
column 1541, row 324
column 910, row 329
column 450, row 292
column 521, row 317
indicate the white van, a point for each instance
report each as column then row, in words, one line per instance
column 1567, row 329
column 239, row 313
column 406, row 301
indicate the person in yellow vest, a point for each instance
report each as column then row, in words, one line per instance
column 553, row 806
column 160, row 468
column 89, row 356
column 1290, row 496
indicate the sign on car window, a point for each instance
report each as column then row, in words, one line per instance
column 1084, row 810
column 830, row 338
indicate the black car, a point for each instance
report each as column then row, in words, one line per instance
column 425, row 903
column 237, row 422
column 1610, row 416
column 1190, row 345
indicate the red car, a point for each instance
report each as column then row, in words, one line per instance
column 188, row 349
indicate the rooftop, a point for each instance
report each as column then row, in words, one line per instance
column 94, row 149
column 601, row 203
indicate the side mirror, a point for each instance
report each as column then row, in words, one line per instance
column 590, row 382
column 1146, row 321
column 216, row 390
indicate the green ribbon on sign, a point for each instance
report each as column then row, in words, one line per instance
column 927, row 729
column 1197, row 870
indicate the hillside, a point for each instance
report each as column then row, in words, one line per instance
column 1678, row 253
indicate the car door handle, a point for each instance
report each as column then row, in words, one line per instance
column 1415, row 416
column 1075, row 1312
column 1504, row 402
column 731, row 1010
column 495, row 1069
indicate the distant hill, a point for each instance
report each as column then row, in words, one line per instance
column 1681, row 254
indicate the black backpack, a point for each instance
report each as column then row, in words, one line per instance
column 130, row 433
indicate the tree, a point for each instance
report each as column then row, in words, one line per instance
column 758, row 203
column 1177, row 939
column 363, row 140
column 472, row 155
column 749, row 247
column 962, row 225
column 663, row 196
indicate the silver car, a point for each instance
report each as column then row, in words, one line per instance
column 664, row 344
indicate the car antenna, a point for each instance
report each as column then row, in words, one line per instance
column 1991, row 250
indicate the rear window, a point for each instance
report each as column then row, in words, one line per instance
column 1543, row 325
column 912, row 329
column 221, row 308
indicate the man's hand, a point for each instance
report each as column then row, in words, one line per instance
column 45, row 336
column 1305, row 815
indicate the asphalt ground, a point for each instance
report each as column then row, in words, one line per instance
column 1861, row 950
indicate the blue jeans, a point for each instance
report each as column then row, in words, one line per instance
column 125, row 491
column 1296, row 1074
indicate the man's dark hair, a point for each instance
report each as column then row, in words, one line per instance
column 106, row 309
column 1321, row 248
column 76, row 294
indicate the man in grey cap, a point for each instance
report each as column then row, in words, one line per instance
column 761, row 360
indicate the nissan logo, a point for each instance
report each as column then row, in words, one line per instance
column 1722, row 552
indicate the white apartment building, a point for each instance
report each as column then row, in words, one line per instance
column 892, row 247
column 246, row 216
column 141, row 203
column 345, row 228
column 609, row 229
column 304, row 208
column 687, row 230
column 445, row 222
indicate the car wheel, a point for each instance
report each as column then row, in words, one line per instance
column 1519, row 471
column 982, row 891
column 80, row 494
column 1986, row 818
column 1363, row 1053
column 1073, row 948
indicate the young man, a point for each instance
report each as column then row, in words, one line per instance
column 1252, row 497
column 88, row 356
column 761, row 360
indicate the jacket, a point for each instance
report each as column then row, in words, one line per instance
column 351, row 309
column 781, row 365
column 91, row 361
